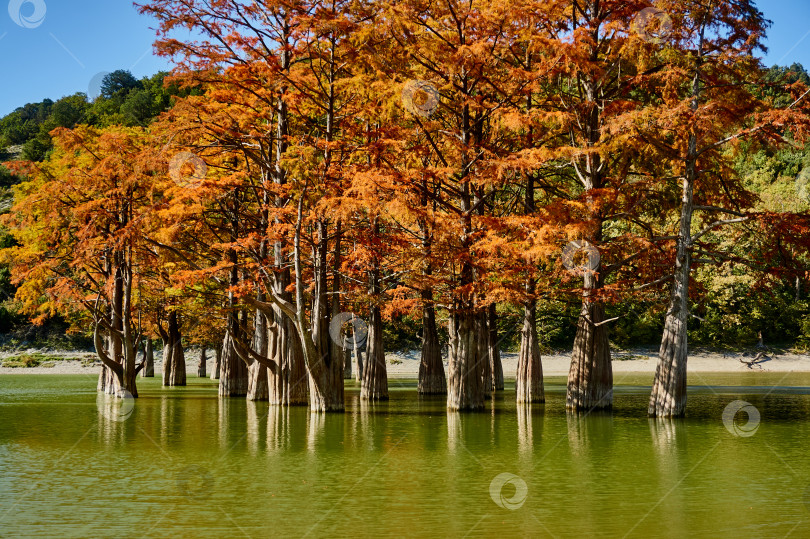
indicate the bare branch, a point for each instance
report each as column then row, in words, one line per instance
column 716, row 224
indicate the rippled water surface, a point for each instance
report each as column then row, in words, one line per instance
column 183, row 462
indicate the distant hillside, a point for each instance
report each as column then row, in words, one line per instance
column 122, row 100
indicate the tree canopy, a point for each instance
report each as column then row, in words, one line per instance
column 535, row 172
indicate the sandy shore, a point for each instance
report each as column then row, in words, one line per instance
column 406, row 365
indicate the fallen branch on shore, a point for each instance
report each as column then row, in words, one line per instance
column 760, row 358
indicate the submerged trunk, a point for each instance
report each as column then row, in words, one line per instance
column 130, row 379
column 258, row 385
column 149, row 360
column 375, row 375
column 494, row 349
column 357, row 359
column 217, row 362
column 233, row 375
column 174, row 361
column 465, row 387
column 590, row 380
column 118, row 352
column 432, row 380
column 325, row 381
column 201, row 365
column 326, row 388
column 347, row 364
column 258, row 380
column 106, row 381
column 482, row 337
column 668, row 398
column 288, row 385
column 529, row 376
column 109, row 382
column 325, row 370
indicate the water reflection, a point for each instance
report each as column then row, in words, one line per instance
column 278, row 428
column 256, row 412
column 669, row 442
column 454, row 431
column 525, row 429
column 665, row 433
column 113, row 413
column 315, row 431
column 375, row 467
column 591, row 433
column 223, row 420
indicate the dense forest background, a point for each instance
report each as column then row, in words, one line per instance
column 736, row 310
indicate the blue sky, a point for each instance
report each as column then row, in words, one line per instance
column 76, row 40
column 71, row 41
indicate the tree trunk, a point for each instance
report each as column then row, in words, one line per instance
column 217, row 363
column 117, row 353
column 495, row 349
column 258, row 383
column 258, row 380
column 105, row 381
column 668, row 398
column 432, row 380
column 326, row 389
column 325, row 371
column 337, row 350
column 288, row 386
column 201, row 365
column 325, row 378
column 529, row 377
column 174, row 360
column 482, row 337
column 347, row 364
column 130, row 379
column 357, row 355
column 465, row 387
column 375, row 376
column 233, row 374
column 149, row 360
column 590, row 379
column 108, row 380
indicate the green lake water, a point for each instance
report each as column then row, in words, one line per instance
column 183, row 462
